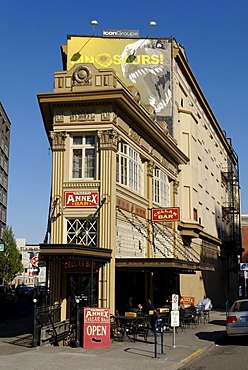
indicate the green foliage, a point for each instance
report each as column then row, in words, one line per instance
column 10, row 262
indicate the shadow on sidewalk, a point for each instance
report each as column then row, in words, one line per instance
column 140, row 352
column 211, row 336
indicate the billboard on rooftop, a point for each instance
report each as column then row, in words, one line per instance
column 143, row 63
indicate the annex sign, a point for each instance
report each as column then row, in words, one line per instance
column 83, row 199
column 165, row 214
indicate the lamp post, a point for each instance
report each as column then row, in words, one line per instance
column 94, row 23
column 34, row 341
column 77, row 343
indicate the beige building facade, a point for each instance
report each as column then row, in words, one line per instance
column 139, row 191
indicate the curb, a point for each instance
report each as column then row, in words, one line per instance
column 194, row 354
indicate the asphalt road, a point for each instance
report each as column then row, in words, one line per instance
column 16, row 327
column 228, row 354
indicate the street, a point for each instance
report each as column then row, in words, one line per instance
column 204, row 347
column 16, row 327
column 228, row 354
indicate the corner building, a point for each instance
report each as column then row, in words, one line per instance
column 132, row 138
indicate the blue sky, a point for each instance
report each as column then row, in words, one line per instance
column 214, row 34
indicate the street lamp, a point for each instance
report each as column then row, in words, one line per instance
column 77, row 343
column 34, row 341
column 152, row 23
column 94, row 23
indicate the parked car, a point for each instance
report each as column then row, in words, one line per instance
column 7, row 297
column 237, row 318
column 24, row 292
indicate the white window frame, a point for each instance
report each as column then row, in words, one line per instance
column 160, row 188
column 129, row 169
column 83, row 168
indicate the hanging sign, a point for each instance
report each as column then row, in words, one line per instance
column 81, row 199
column 165, row 214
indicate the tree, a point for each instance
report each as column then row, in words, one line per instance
column 10, row 262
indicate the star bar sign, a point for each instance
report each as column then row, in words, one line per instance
column 34, row 261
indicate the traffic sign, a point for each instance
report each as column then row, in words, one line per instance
column 34, row 261
column 244, row 266
column 41, row 263
column 175, row 318
column 175, row 299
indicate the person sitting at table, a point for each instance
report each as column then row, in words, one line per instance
column 150, row 310
column 149, row 307
column 140, row 310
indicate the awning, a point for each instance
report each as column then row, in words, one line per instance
column 155, row 263
column 50, row 251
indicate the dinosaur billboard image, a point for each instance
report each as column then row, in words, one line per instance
column 144, row 63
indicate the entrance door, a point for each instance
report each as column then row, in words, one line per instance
column 84, row 288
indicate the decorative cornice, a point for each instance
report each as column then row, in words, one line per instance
column 175, row 186
column 58, row 140
column 108, row 139
column 150, row 168
column 81, row 185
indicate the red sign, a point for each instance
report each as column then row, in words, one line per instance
column 81, row 198
column 96, row 327
column 165, row 214
column 187, row 301
column 80, row 265
column 34, row 261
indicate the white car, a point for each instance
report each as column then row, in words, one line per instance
column 237, row 319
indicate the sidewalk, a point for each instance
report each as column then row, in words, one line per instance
column 14, row 354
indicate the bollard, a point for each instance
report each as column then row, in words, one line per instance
column 155, row 339
column 77, row 343
column 162, row 337
column 34, row 341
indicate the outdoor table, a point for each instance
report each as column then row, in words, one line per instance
column 132, row 326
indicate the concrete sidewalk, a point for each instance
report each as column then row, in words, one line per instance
column 122, row 355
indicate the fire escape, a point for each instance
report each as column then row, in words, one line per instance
column 231, row 221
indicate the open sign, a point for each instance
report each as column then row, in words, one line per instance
column 96, row 328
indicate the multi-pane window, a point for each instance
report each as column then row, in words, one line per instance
column 128, row 167
column 82, row 231
column 161, row 194
column 83, row 157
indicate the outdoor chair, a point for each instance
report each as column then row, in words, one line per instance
column 141, row 328
column 188, row 317
column 117, row 329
